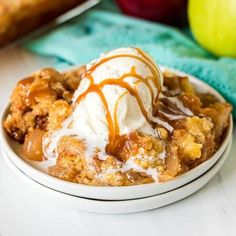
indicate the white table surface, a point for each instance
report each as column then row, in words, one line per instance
column 24, row 212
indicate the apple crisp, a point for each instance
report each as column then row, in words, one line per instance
column 196, row 126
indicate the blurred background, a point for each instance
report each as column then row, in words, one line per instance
column 211, row 22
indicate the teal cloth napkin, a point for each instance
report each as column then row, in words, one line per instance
column 86, row 37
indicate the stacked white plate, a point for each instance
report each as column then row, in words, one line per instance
column 118, row 199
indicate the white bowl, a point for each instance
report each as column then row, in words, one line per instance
column 125, row 206
column 38, row 170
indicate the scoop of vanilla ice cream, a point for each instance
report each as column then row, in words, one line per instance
column 90, row 115
column 129, row 80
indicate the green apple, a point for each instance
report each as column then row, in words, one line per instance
column 213, row 24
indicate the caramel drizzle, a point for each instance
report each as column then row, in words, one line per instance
column 114, row 130
column 145, row 61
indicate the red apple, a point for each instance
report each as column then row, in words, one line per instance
column 165, row 11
